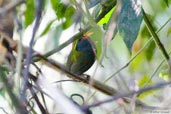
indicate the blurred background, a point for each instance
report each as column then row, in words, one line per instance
column 145, row 69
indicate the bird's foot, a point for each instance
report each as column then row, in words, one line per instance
column 86, row 77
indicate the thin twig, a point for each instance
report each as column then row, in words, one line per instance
column 44, row 102
column 155, row 71
column 30, row 50
column 42, row 109
column 19, row 48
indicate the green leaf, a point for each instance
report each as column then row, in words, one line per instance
column 129, row 21
column 144, row 32
column 63, row 11
column 60, row 11
column 169, row 31
column 106, row 18
column 68, row 14
column 164, row 75
column 137, row 63
column 144, row 80
column 167, row 2
column 30, row 12
column 142, row 83
column 145, row 94
column 47, row 28
column 54, row 4
column 150, row 51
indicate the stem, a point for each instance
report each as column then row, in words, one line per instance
column 156, row 39
column 30, row 50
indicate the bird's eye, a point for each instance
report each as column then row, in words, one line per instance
column 79, row 40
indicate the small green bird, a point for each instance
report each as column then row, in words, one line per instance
column 82, row 56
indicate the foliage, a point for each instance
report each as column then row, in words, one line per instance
column 29, row 14
column 129, row 22
column 142, row 83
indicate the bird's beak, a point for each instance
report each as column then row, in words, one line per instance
column 87, row 35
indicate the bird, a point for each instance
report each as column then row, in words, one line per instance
column 82, row 55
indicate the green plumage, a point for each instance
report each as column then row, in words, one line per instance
column 82, row 56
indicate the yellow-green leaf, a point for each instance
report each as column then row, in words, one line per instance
column 164, row 75
column 145, row 80
column 169, row 31
column 106, row 17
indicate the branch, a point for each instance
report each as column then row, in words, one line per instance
column 96, row 84
column 117, row 96
column 157, row 40
column 30, row 50
column 35, row 97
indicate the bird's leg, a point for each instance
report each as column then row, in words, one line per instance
column 86, row 77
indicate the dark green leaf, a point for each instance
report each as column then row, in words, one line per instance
column 60, row 11
column 30, row 12
column 129, row 21
column 144, row 32
column 167, row 2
